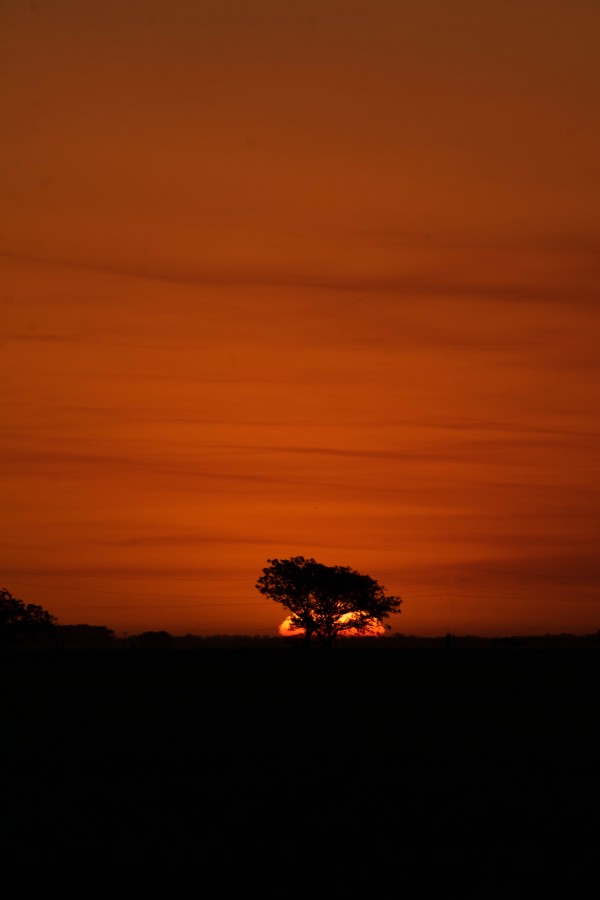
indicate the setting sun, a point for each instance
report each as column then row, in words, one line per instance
column 286, row 629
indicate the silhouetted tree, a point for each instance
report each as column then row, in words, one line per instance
column 326, row 600
column 154, row 640
column 85, row 636
column 19, row 619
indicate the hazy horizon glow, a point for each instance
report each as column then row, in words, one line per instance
column 315, row 279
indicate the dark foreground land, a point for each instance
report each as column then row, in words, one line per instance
column 474, row 767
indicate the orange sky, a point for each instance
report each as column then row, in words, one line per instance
column 313, row 278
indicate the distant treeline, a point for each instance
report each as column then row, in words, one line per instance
column 67, row 637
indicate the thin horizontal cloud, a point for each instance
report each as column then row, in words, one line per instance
column 273, row 540
column 491, row 425
column 566, row 243
column 474, row 449
column 422, row 284
column 89, row 337
column 429, row 424
column 129, row 572
column 183, row 540
column 528, row 350
column 139, row 464
column 220, row 462
column 568, row 567
column 34, row 336
column 478, row 451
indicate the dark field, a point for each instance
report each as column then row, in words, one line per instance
column 474, row 767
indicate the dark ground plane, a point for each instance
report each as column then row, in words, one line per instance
column 472, row 768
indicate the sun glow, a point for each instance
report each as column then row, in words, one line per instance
column 375, row 629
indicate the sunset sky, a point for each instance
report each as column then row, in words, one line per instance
column 301, row 278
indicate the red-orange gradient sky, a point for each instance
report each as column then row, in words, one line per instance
column 313, row 278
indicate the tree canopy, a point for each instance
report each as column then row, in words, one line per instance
column 326, row 601
column 17, row 617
